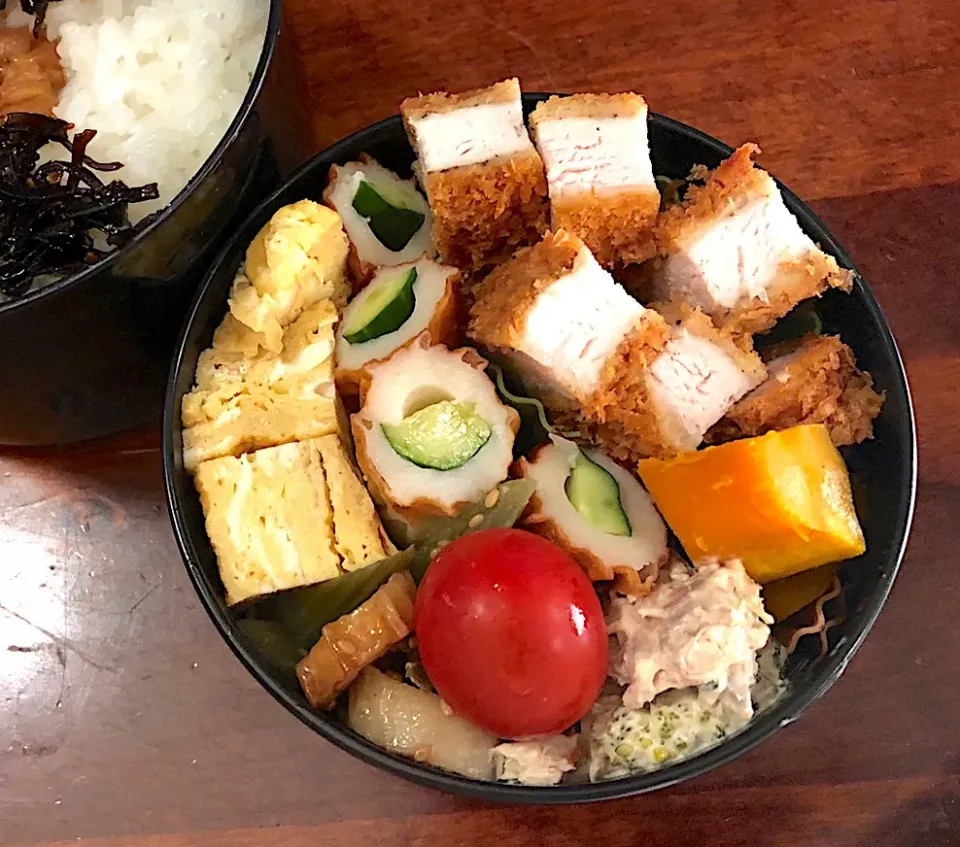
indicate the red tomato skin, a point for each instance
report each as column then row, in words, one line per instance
column 511, row 633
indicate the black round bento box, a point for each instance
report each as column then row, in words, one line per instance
column 883, row 472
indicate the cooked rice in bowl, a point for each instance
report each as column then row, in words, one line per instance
column 160, row 80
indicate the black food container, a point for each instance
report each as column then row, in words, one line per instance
column 88, row 355
column 883, row 472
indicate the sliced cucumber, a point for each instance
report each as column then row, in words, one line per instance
column 390, row 220
column 595, row 494
column 442, row 436
column 382, row 307
column 399, row 195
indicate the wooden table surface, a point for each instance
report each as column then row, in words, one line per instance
column 126, row 721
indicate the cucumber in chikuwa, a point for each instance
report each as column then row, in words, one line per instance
column 382, row 307
column 386, row 218
column 442, row 436
column 595, row 494
column 596, row 510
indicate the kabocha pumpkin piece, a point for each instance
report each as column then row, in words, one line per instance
column 780, row 502
column 352, row 642
column 787, row 596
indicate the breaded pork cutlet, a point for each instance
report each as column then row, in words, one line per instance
column 599, row 173
column 698, row 375
column 483, row 177
column 563, row 322
column 734, row 250
column 813, row 380
column 600, row 361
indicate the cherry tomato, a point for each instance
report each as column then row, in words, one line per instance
column 511, row 633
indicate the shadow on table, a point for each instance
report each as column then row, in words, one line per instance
column 931, row 819
column 97, row 497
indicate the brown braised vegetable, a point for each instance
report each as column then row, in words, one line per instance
column 352, row 642
column 304, row 612
column 31, row 77
column 53, row 215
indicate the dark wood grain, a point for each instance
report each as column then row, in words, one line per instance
column 126, row 721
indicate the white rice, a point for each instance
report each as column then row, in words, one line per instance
column 160, row 80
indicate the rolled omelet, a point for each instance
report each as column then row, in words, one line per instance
column 296, row 260
column 287, row 516
column 246, row 397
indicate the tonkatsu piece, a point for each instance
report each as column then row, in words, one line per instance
column 700, row 373
column 563, row 321
column 734, row 250
column 599, row 173
column 813, row 380
column 483, row 177
column 600, row 360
